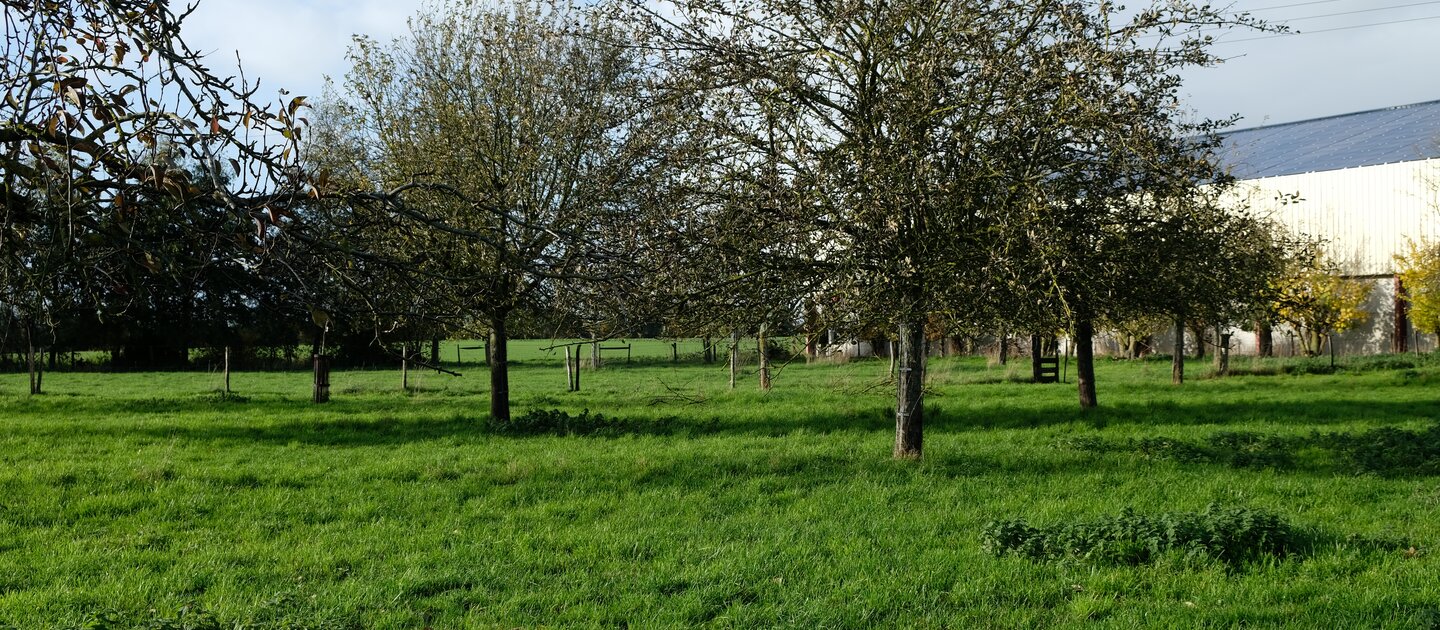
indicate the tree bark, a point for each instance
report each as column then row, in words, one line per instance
column 1400, row 340
column 30, row 363
column 499, row 370
column 1177, row 361
column 1199, row 341
column 909, row 396
column 760, row 343
column 435, row 353
column 1003, row 353
column 1085, row 361
column 1264, row 339
column 1035, row 352
column 734, row 357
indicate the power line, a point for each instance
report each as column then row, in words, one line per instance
column 1327, row 30
column 1288, row 6
column 1284, row 21
column 1371, row 10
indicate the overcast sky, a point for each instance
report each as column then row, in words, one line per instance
column 1266, row 79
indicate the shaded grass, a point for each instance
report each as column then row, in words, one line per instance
column 133, row 496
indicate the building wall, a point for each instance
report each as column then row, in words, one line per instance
column 1365, row 213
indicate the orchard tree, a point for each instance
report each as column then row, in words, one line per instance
column 914, row 134
column 1316, row 299
column 92, row 92
column 499, row 152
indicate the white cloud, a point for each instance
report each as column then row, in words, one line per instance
column 289, row 44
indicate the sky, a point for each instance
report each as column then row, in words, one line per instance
column 1349, row 55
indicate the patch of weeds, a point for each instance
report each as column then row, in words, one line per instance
column 557, row 422
column 1231, row 535
column 189, row 617
column 219, row 396
column 1387, row 451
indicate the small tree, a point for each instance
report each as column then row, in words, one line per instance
column 1419, row 267
column 1317, row 300
column 498, row 150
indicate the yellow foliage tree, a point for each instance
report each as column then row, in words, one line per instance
column 1316, row 300
column 1419, row 267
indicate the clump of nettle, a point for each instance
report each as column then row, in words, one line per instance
column 1230, row 535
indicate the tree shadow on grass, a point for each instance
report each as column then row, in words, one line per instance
column 1382, row 451
column 404, row 420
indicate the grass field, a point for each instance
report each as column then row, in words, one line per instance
column 148, row 500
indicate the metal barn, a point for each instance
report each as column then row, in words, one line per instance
column 1365, row 182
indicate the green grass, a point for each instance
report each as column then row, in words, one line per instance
column 141, row 499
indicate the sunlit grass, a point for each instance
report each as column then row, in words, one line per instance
column 141, row 496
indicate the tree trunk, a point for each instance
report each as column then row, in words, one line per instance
column 321, row 392
column 1199, row 341
column 1177, row 361
column 1035, row 353
column 1400, row 341
column 1003, row 353
column 734, row 357
column 909, row 395
column 435, row 353
column 760, row 343
column 1222, row 354
column 499, row 370
column 1085, row 361
column 569, row 375
column 1264, row 339
column 405, row 367
column 30, row 363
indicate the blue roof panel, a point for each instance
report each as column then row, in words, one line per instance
column 1382, row 136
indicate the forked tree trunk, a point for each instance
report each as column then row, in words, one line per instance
column 1085, row 361
column 499, row 370
column 909, row 395
column 1177, row 361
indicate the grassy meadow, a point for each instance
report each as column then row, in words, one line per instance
column 150, row 500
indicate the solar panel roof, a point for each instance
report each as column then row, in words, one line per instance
column 1382, row 136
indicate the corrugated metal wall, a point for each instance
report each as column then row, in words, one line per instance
column 1366, row 213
